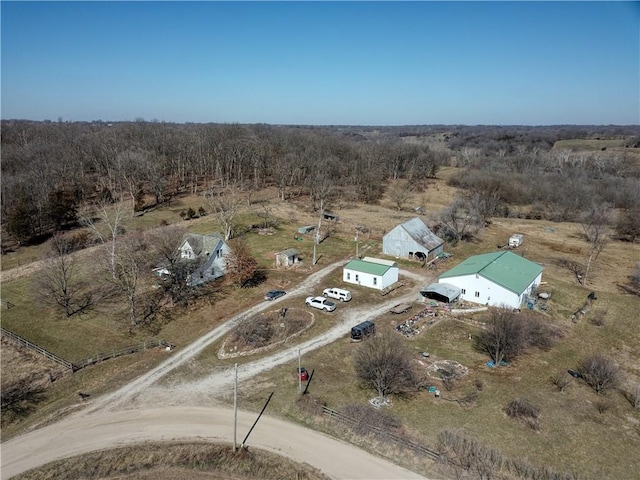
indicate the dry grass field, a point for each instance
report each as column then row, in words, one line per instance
column 576, row 433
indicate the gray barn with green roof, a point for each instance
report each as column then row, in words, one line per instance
column 496, row 279
column 371, row 272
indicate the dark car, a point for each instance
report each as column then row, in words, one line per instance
column 273, row 294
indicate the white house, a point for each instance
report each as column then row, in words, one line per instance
column 412, row 239
column 496, row 279
column 211, row 249
column 371, row 272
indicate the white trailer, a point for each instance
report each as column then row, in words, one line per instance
column 515, row 240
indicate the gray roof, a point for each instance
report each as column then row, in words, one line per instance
column 203, row 244
column 445, row 289
column 417, row 230
column 289, row 252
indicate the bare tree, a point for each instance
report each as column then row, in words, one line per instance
column 509, row 334
column 574, row 267
column 485, row 204
column 458, row 221
column 107, row 227
column 133, row 261
column 60, row 282
column 322, row 188
column 225, row 204
column 600, row 372
column 595, row 224
column 398, row 194
column 384, row 362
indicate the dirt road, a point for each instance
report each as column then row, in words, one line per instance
column 76, row 435
column 142, row 411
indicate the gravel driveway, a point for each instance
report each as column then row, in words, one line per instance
column 142, row 411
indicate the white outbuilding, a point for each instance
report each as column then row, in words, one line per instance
column 371, row 272
column 495, row 279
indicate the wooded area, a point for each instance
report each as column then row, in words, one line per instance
column 52, row 172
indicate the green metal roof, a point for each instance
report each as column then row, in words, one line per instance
column 506, row 269
column 367, row 267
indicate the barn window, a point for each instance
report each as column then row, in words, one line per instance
column 375, row 280
column 348, row 276
column 357, row 278
column 477, row 294
column 463, row 290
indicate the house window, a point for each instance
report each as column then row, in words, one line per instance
column 463, row 290
column 357, row 278
column 375, row 280
column 348, row 276
column 477, row 294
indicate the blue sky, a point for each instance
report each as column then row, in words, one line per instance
column 353, row 63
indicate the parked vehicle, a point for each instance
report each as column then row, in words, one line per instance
column 337, row 293
column 363, row 330
column 321, row 303
column 273, row 294
column 303, row 373
column 516, row 240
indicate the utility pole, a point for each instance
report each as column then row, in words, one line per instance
column 299, row 373
column 235, row 407
column 356, row 239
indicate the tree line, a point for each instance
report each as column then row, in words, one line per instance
column 51, row 171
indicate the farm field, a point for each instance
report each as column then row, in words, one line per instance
column 576, row 434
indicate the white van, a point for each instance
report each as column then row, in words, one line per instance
column 337, row 293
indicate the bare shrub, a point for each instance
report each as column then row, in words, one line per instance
column 310, row 405
column 599, row 317
column 464, row 453
column 632, row 394
column 448, row 375
column 525, row 411
column 367, row 419
column 561, row 380
column 603, row 407
column 479, row 384
column 256, row 332
column 600, row 372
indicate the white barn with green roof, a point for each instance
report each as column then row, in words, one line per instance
column 371, row 272
column 495, row 279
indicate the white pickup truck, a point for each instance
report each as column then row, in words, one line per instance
column 321, row 303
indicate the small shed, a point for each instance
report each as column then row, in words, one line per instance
column 441, row 292
column 371, row 272
column 287, row 258
column 306, row 229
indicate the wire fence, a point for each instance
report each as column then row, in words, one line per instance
column 384, row 434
